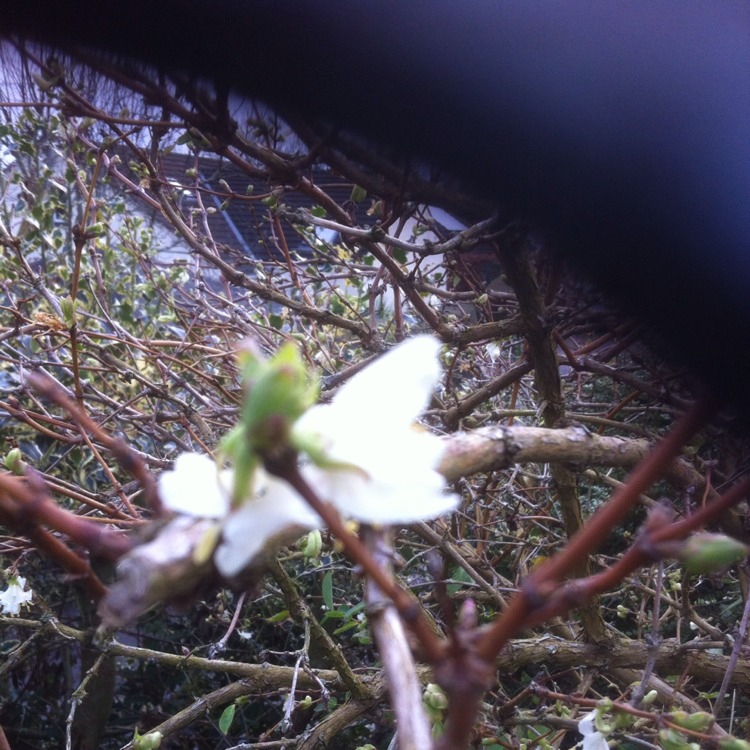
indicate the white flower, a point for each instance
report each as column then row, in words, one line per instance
column 383, row 469
column 195, row 487
column 493, row 352
column 592, row 740
column 387, row 467
column 14, row 596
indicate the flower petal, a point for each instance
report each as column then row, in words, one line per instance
column 592, row 739
column 195, row 487
column 595, row 741
column 369, row 425
column 394, row 388
column 395, row 455
column 276, row 510
column 586, row 724
column 397, row 484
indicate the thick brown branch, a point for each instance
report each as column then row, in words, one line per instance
column 498, row 447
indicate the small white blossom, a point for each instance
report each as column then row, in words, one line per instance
column 195, row 487
column 15, row 596
column 384, row 469
column 592, row 739
column 493, row 351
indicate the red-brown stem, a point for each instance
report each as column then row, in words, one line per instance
column 706, row 513
column 641, row 553
column 105, row 467
column 57, row 550
column 542, row 583
column 128, row 460
column 26, row 510
column 434, row 651
column 462, row 717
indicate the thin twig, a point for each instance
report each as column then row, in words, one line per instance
column 408, row 609
column 654, row 639
column 216, row 648
column 128, row 459
column 739, row 642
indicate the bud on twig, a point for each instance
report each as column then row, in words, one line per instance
column 14, row 462
column 313, row 544
column 68, row 307
column 706, row 553
column 697, row 722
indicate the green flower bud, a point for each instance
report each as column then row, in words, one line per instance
column 358, row 194
column 434, row 698
column 95, row 230
column 650, row 697
column 732, row 743
column 68, row 307
column 278, row 391
column 710, row 553
column 697, row 722
column 149, row 741
column 14, row 462
column 671, row 740
column 623, row 720
column 313, row 544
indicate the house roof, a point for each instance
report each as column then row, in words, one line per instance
column 244, row 222
column 242, row 225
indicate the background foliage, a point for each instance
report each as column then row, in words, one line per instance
column 117, row 282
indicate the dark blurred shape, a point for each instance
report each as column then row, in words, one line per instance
column 623, row 128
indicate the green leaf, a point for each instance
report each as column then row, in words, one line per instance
column 226, row 718
column 671, row 740
column 344, row 628
column 328, row 590
column 150, row 741
column 458, row 576
column 318, row 211
column 399, row 254
column 333, row 614
column 279, row 616
column 700, row 721
column 354, row 610
column 732, row 743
